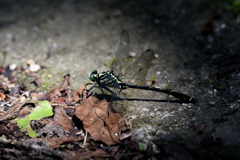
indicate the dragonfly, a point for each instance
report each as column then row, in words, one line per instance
column 122, row 69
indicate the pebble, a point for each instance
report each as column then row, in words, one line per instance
column 12, row 67
column 223, row 26
column 156, row 55
column 49, row 76
column 132, row 54
column 34, row 68
column 30, row 62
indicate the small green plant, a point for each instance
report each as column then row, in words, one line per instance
column 235, row 6
column 106, row 64
column 153, row 78
column 112, row 60
column 142, row 147
column 43, row 109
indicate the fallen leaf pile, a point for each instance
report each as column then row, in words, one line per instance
column 46, row 119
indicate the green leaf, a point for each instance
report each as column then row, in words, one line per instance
column 142, row 147
column 105, row 64
column 153, row 78
column 43, row 109
column 112, row 60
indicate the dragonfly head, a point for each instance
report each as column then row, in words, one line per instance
column 93, row 75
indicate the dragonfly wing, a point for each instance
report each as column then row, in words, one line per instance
column 122, row 53
column 137, row 71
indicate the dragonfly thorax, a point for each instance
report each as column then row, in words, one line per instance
column 107, row 78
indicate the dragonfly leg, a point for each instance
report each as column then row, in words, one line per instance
column 109, row 90
column 101, row 90
column 93, row 86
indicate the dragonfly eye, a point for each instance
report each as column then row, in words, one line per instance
column 93, row 75
column 94, row 72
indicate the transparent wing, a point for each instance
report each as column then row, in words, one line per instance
column 122, row 53
column 123, row 67
column 134, row 73
column 137, row 71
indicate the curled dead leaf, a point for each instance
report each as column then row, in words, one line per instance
column 102, row 124
column 41, row 96
column 78, row 93
column 61, row 90
column 38, row 82
column 56, row 94
column 25, row 111
column 61, row 119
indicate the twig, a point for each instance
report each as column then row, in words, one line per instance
column 47, row 151
column 85, row 139
column 63, row 106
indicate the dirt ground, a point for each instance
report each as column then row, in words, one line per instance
column 190, row 57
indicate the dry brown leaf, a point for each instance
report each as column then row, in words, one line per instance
column 25, row 111
column 4, row 88
column 78, row 93
column 61, row 90
column 89, row 155
column 61, row 119
column 55, row 142
column 41, row 96
column 101, row 124
column 59, row 94
column 59, row 100
column 38, row 81
column 12, row 111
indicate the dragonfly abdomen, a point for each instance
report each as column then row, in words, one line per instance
column 182, row 97
column 148, row 88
